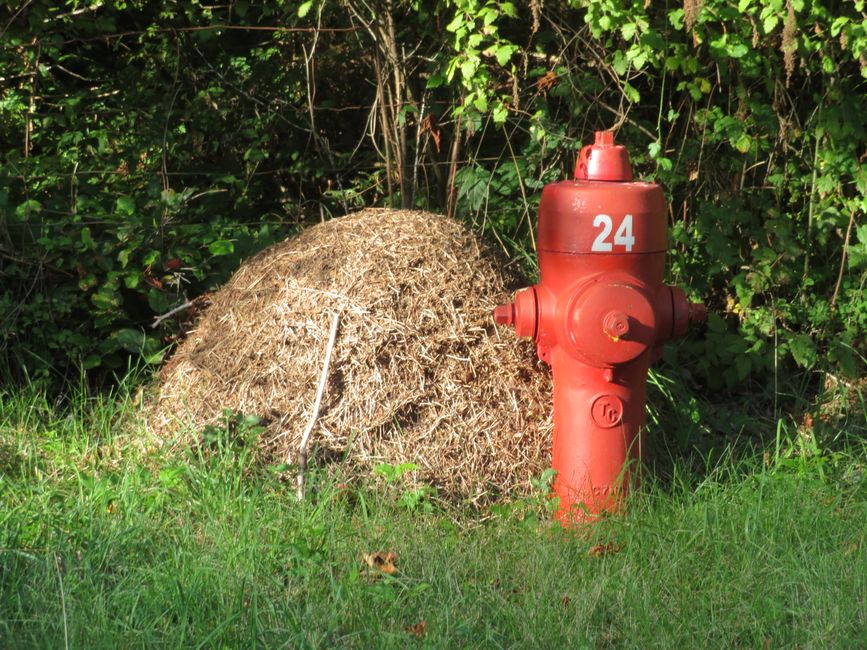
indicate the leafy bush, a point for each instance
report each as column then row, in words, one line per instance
column 149, row 148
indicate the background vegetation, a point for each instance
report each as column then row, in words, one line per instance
column 148, row 147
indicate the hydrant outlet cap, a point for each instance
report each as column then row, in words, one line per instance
column 603, row 160
column 504, row 314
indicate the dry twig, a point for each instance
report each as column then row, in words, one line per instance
column 843, row 260
column 159, row 319
column 314, row 415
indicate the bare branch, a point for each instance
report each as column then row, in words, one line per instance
column 171, row 312
column 314, row 415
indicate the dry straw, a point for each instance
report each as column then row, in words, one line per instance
column 419, row 373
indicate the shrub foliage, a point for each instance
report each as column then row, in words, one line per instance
column 148, row 147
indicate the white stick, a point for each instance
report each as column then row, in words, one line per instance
column 305, row 438
column 172, row 312
column 62, row 603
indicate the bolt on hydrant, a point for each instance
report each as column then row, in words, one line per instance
column 599, row 315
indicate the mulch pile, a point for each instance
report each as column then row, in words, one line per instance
column 419, row 371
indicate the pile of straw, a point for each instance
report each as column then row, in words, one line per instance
column 419, row 371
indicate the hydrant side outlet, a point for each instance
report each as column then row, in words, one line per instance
column 600, row 315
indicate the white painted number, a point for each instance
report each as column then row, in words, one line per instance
column 599, row 244
column 623, row 236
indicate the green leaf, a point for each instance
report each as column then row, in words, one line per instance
column 716, row 324
column 86, row 239
column 304, row 8
column 435, row 80
column 169, row 197
column 105, row 299
column 845, row 357
column 838, row 25
column 129, row 339
column 737, row 51
column 769, row 23
column 504, row 53
column 468, row 69
column 803, row 350
column 154, row 358
column 743, row 143
column 221, row 247
column 509, row 10
column 631, row 93
column 255, row 154
column 620, row 63
column 87, row 282
column 638, row 58
column 28, row 208
column 742, row 366
column 91, row 361
column 457, row 21
column 857, row 256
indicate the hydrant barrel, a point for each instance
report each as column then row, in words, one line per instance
column 599, row 316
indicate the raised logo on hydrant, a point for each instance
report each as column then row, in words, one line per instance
column 607, row 411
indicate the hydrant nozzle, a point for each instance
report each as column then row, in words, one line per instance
column 522, row 313
column 504, row 314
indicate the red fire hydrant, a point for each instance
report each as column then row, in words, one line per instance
column 599, row 315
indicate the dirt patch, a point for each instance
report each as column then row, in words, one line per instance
column 419, row 371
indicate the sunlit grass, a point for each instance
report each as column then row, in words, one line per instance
column 108, row 541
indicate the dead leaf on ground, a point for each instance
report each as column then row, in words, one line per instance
column 418, row 629
column 381, row 561
column 600, row 550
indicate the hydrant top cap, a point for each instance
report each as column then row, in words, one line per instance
column 603, row 160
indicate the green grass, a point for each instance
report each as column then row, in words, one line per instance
column 108, row 542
